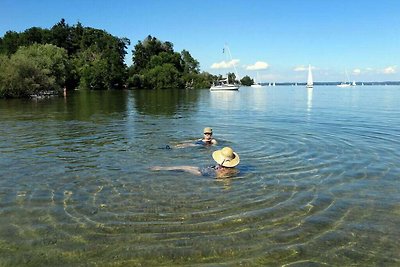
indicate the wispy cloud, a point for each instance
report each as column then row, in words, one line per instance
column 356, row 72
column 390, row 70
column 259, row 65
column 225, row 64
column 302, row 68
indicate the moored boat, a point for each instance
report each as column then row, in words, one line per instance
column 224, row 85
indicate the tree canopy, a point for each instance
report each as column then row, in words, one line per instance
column 33, row 69
column 95, row 59
column 157, row 65
column 88, row 58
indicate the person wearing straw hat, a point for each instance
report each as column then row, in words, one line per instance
column 225, row 158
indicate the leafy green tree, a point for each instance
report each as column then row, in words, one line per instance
column 10, row 43
column 247, row 81
column 87, row 49
column 164, row 76
column 144, row 51
column 190, row 65
column 61, row 35
column 34, row 35
column 232, row 78
column 33, row 69
column 151, row 56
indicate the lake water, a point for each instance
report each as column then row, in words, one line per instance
column 319, row 180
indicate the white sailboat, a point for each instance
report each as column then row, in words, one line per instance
column 310, row 82
column 257, row 84
column 346, row 83
column 223, row 84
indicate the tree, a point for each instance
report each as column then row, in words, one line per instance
column 144, row 51
column 232, row 78
column 161, row 77
column 87, row 49
column 247, row 81
column 33, row 69
column 190, row 65
column 10, row 43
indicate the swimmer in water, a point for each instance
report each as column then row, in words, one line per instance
column 225, row 158
column 207, row 140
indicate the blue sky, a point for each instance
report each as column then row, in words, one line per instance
column 361, row 37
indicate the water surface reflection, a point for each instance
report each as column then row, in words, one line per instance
column 318, row 181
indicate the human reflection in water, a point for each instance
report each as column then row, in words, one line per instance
column 226, row 160
column 207, row 140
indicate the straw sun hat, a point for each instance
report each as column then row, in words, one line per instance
column 226, row 157
column 207, row 130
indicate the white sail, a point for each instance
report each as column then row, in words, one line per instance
column 310, row 82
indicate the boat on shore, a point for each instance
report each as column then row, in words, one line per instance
column 224, row 85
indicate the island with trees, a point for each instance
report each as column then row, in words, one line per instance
column 66, row 57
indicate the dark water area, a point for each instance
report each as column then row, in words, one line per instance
column 318, row 181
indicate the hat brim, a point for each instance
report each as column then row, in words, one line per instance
column 220, row 159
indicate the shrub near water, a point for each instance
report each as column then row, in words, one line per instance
column 33, row 69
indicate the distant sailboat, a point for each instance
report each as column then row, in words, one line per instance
column 257, row 84
column 346, row 83
column 310, row 83
column 223, row 84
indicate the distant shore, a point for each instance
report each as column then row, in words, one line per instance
column 361, row 83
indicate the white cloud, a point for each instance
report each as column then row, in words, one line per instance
column 356, row 72
column 225, row 64
column 390, row 70
column 259, row 65
column 302, row 68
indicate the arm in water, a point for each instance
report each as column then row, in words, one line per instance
column 191, row 169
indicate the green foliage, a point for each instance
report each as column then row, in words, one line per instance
column 156, row 65
column 10, row 43
column 232, row 78
column 190, row 65
column 31, row 70
column 247, row 81
column 89, row 50
column 94, row 60
column 164, row 76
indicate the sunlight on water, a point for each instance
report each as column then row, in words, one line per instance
column 318, row 181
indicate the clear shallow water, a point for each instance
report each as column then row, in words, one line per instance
column 318, row 183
